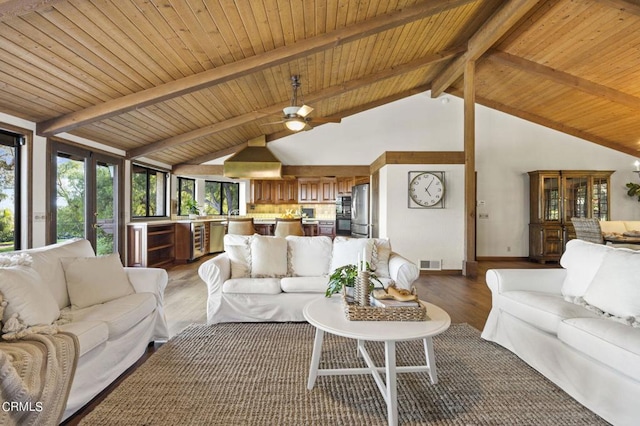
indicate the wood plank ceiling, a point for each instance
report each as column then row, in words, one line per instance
column 187, row 81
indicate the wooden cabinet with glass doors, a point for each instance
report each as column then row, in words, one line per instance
column 555, row 197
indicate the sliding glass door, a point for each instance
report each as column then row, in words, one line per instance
column 85, row 197
column 10, row 192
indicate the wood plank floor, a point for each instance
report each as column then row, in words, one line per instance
column 466, row 300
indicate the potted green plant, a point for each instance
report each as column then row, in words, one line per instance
column 192, row 208
column 345, row 276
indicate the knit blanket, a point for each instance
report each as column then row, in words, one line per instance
column 35, row 378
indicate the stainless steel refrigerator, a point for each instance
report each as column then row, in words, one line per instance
column 360, row 211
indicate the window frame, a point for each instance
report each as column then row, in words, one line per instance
column 17, row 143
column 223, row 196
column 148, row 171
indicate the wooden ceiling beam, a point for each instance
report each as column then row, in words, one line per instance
column 564, row 78
column 297, row 171
column 490, row 32
column 244, row 67
column 275, row 136
column 543, row 121
column 327, row 93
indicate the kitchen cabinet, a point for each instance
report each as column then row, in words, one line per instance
column 308, row 190
column 285, row 191
column 263, row 228
column 327, row 228
column 267, row 191
column 150, row 245
column 344, row 185
column 555, row 197
column 192, row 240
column 317, row 190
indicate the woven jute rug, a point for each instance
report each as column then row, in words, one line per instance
column 256, row 374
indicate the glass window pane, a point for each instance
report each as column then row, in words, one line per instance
column 105, row 206
column 8, row 182
column 70, row 197
column 212, row 198
column 148, row 192
column 187, row 197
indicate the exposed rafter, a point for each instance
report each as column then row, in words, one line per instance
column 564, row 78
column 243, row 67
column 492, row 30
column 310, row 98
column 275, row 136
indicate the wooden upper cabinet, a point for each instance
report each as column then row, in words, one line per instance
column 285, row 191
column 328, row 189
column 344, row 185
column 309, row 190
column 274, row 191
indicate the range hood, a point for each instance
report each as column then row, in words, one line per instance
column 254, row 162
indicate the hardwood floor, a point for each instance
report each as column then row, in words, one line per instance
column 466, row 300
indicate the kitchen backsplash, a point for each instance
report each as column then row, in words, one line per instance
column 322, row 211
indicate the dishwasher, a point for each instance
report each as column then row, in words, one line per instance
column 216, row 237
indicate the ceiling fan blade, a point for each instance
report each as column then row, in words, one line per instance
column 304, row 110
column 327, row 119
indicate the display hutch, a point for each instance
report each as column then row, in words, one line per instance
column 555, row 197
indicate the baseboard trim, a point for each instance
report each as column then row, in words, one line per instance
column 442, row 272
column 501, row 259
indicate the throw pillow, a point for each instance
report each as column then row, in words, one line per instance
column 346, row 251
column 238, row 248
column 309, row 256
column 581, row 259
column 95, row 280
column 615, row 289
column 380, row 257
column 25, row 292
column 268, row 257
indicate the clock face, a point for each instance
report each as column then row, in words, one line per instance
column 426, row 189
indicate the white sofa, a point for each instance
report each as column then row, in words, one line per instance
column 578, row 326
column 112, row 335
column 260, row 278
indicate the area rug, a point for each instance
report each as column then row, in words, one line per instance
column 256, row 374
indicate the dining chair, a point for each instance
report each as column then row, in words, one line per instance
column 588, row 230
column 240, row 226
column 286, row 227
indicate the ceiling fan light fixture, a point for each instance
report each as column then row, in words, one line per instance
column 295, row 124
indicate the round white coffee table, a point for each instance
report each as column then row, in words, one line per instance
column 327, row 315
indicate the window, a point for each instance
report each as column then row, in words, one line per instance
column 221, row 197
column 10, row 191
column 148, row 192
column 186, row 196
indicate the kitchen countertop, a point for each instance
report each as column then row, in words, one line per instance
column 223, row 220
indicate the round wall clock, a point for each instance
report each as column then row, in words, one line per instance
column 426, row 189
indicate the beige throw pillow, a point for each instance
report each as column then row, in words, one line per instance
column 95, row 280
column 27, row 295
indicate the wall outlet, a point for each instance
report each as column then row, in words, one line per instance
column 483, row 216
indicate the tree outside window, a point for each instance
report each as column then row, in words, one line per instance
column 148, row 192
column 221, row 197
column 186, row 196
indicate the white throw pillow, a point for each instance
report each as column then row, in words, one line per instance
column 309, row 256
column 346, row 251
column 268, row 257
column 27, row 295
column 615, row 289
column 380, row 257
column 95, row 280
column 238, row 248
column 581, row 259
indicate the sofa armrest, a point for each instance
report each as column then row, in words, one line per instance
column 539, row 280
column 154, row 281
column 403, row 271
column 214, row 273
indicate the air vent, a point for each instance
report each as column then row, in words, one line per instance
column 431, row 265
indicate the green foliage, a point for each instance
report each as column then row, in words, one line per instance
column 633, row 190
column 345, row 276
column 6, row 226
column 190, row 206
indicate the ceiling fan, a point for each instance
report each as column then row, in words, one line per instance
column 296, row 118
